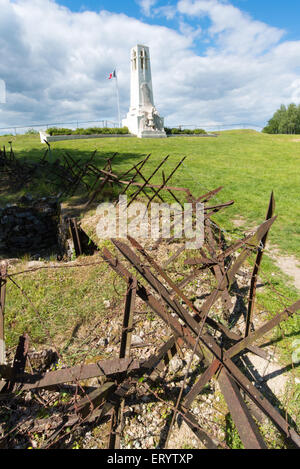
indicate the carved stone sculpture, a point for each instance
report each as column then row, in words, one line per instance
column 143, row 118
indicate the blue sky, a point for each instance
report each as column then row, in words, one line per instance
column 277, row 13
column 213, row 62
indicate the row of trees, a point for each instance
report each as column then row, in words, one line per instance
column 286, row 120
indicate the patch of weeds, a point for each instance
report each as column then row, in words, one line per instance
column 150, row 317
column 187, row 446
column 150, row 407
column 232, row 437
column 272, row 437
column 43, row 413
column 76, row 445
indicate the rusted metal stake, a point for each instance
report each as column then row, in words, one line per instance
column 258, row 260
column 75, row 236
column 117, row 416
column 19, row 360
column 247, row 428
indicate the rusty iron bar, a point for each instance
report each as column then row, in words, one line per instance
column 181, row 249
column 128, row 319
column 160, row 271
column 75, row 373
column 219, row 268
column 208, row 374
column 19, row 363
column 116, row 425
column 93, row 400
column 219, row 274
column 97, row 191
column 267, row 327
column 138, row 172
column 248, row 241
column 229, row 276
column 253, row 283
column 81, row 412
column 3, row 280
column 134, row 196
column 170, row 192
column 252, row 243
column 246, row 427
column 102, row 183
column 75, row 236
column 156, row 284
column 203, row 198
column 126, row 334
column 166, row 180
column 87, row 409
column 150, row 300
column 190, row 420
column 139, row 166
column 179, row 292
column 153, row 365
column 192, row 321
column 105, row 176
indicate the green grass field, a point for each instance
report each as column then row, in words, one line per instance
column 248, row 164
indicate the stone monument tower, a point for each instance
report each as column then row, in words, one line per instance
column 142, row 119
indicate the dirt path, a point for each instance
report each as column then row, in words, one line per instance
column 288, row 264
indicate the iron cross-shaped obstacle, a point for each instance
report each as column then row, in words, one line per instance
column 218, row 359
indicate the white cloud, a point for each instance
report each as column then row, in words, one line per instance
column 167, row 11
column 2, row 91
column 234, row 30
column 188, row 31
column 55, row 64
column 146, row 6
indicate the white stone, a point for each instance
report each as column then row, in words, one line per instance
column 175, row 364
column 136, row 340
column 142, row 119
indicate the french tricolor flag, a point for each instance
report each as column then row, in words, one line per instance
column 112, row 75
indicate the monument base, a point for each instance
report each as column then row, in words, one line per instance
column 152, row 134
column 135, row 126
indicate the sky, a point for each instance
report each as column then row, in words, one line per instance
column 214, row 62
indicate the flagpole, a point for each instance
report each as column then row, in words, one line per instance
column 118, row 98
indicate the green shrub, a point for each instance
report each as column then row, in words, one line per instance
column 88, row 131
column 176, row 131
column 79, row 131
column 59, row 131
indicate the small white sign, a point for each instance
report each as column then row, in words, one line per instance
column 2, row 92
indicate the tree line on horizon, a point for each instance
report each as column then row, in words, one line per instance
column 286, row 120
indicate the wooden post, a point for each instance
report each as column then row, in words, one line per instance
column 3, row 273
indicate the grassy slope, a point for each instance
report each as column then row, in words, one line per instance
column 248, row 164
